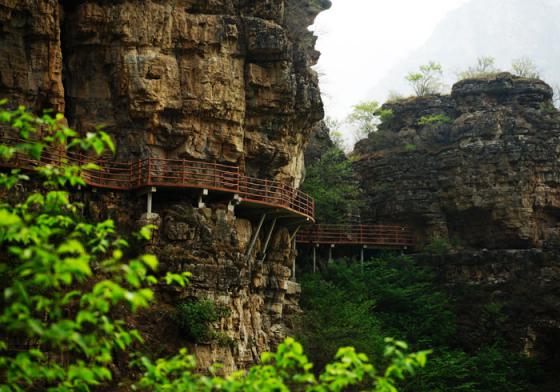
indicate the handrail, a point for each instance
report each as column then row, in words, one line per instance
column 386, row 236
column 173, row 173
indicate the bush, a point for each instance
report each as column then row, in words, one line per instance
column 428, row 80
column 438, row 246
column 435, row 119
column 332, row 183
column 395, row 297
column 195, row 319
column 484, row 68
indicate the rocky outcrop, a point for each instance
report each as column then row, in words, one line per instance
column 480, row 167
column 31, row 54
column 319, row 143
column 481, row 170
column 227, row 81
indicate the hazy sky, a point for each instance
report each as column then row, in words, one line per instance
column 360, row 40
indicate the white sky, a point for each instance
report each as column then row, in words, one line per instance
column 360, row 40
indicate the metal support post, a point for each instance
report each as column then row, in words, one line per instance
column 201, row 203
column 314, row 260
column 267, row 241
column 149, row 200
column 330, row 253
column 254, row 238
column 362, row 257
column 294, row 263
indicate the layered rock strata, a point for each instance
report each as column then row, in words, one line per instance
column 480, row 166
column 227, row 81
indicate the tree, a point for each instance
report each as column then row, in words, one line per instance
column 52, row 305
column 364, row 118
column 64, row 278
column 428, row 81
column 524, row 67
column 485, row 66
column 332, row 183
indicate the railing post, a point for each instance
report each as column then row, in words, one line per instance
column 149, row 170
column 138, row 172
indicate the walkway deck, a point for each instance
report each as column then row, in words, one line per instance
column 255, row 193
column 372, row 236
column 177, row 173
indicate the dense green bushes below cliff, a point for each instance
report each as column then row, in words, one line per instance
column 395, row 297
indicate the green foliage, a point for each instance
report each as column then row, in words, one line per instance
column 438, row 246
column 389, row 297
column 394, row 97
column 331, row 182
column 410, row 147
column 366, row 119
column 428, row 80
column 393, row 296
column 435, row 119
column 49, row 258
column 490, row 369
column 485, row 67
column 195, row 319
column 287, row 370
column 385, row 115
column 525, row 67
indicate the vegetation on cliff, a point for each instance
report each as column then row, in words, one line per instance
column 393, row 296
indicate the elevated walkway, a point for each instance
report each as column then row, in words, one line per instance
column 372, row 236
column 275, row 197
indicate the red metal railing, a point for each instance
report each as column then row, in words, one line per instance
column 173, row 173
column 386, row 236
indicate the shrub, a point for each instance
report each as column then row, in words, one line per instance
column 434, row 119
column 485, row 67
column 62, row 277
column 428, row 80
column 410, row 147
column 195, row 319
column 402, row 299
column 524, row 67
column 332, row 183
column 438, row 246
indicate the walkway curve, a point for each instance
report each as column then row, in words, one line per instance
column 174, row 173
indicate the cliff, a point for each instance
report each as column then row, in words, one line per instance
column 225, row 81
column 480, row 170
column 479, row 166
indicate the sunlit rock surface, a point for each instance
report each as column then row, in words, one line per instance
column 227, row 81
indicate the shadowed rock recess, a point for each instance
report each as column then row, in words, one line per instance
column 480, row 168
column 226, row 81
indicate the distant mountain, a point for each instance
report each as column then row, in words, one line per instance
column 503, row 29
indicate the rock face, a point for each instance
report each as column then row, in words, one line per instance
column 228, row 81
column 225, row 81
column 517, row 289
column 483, row 168
column 319, row 143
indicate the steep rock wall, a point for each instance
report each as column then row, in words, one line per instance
column 487, row 175
column 226, row 81
column 481, row 170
